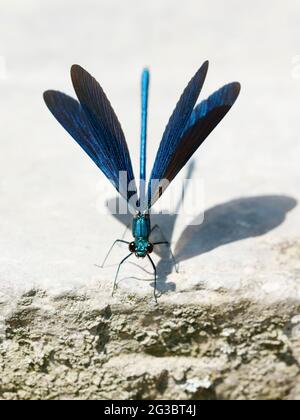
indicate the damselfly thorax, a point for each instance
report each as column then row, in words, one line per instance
column 141, row 230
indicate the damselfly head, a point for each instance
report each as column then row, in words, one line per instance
column 141, row 248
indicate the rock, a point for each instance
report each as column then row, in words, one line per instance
column 138, row 351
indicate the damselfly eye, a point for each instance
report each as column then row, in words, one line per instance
column 149, row 248
column 132, row 247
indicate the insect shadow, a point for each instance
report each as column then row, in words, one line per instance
column 234, row 221
column 223, row 224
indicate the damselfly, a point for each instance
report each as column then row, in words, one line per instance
column 92, row 122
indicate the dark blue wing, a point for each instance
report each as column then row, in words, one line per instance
column 96, row 130
column 178, row 120
column 205, row 117
column 225, row 96
column 102, row 118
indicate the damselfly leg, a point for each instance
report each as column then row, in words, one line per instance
column 117, row 274
column 155, row 277
column 111, row 248
column 165, row 242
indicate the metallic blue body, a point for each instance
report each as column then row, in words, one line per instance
column 141, row 229
column 141, row 226
column 145, row 95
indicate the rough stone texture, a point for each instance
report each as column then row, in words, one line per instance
column 228, row 325
column 70, row 346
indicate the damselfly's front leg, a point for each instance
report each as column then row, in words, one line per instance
column 117, row 274
column 155, row 277
column 111, row 248
column 169, row 245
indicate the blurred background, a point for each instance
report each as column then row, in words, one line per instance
column 51, row 232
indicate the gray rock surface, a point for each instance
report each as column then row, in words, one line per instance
column 74, row 346
column 228, row 325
